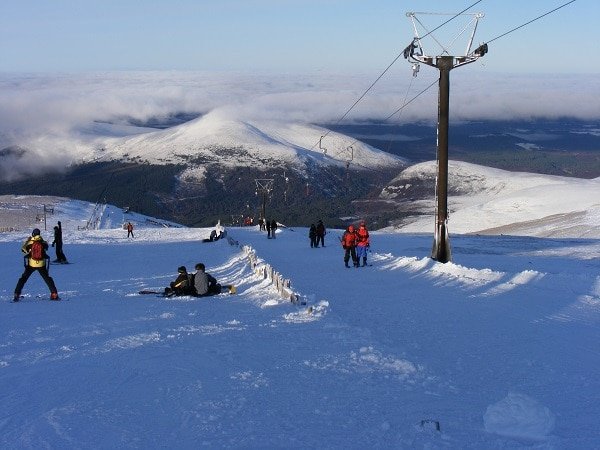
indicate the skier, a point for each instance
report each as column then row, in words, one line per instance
column 204, row 283
column 312, row 234
column 362, row 243
column 35, row 250
column 349, row 245
column 320, row 233
column 129, row 229
column 58, row 244
column 181, row 285
column 273, row 228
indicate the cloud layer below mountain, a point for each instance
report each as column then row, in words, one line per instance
column 50, row 115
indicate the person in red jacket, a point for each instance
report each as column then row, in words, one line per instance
column 362, row 243
column 349, row 245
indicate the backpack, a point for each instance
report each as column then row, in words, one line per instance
column 37, row 251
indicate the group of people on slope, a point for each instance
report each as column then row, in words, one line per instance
column 269, row 225
column 198, row 284
column 355, row 243
column 316, row 234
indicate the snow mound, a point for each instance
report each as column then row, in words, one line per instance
column 519, row 416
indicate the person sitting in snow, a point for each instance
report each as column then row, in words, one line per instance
column 181, row 285
column 204, row 283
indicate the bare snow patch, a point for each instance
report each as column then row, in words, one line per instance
column 519, row 416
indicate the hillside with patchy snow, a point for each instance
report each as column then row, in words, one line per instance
column 503, row 202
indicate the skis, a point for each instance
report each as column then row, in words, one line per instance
column 38, row 297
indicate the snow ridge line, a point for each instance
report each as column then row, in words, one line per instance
column 266, row 271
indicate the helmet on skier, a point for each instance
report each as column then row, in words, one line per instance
column 182, row 269
column 35, row 232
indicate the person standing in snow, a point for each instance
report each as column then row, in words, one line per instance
column 273, row 228
column 349, row 245
column 312, row 235
column 362, row 243
column 129, row 229
column 35, row 248
column 268, row 226
column 320, row 233
column 57, row 243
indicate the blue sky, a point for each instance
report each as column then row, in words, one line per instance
column 280, row 35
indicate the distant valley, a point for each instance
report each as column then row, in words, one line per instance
column 566, row 147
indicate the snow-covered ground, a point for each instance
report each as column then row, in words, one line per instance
column 497, row 349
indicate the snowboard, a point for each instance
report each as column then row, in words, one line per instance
column 225, row 289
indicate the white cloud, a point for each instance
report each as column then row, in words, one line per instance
column 46, row 113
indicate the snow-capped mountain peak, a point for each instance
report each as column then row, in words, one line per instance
column 218, row 138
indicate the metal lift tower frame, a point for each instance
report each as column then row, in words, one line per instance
column 414, row 53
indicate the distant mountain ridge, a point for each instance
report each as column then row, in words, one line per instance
column 205, row 169
column 213, row 138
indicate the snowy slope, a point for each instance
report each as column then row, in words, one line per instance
column 508, row 202
column 215, row 138
column 493, row 350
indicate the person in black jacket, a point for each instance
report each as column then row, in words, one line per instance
column 181, row 285
column 312, row 235
column 57, row 243
column 273, row 228
column 320, row 234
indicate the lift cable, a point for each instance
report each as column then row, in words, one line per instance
column 388, row 68
column 532, row 20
